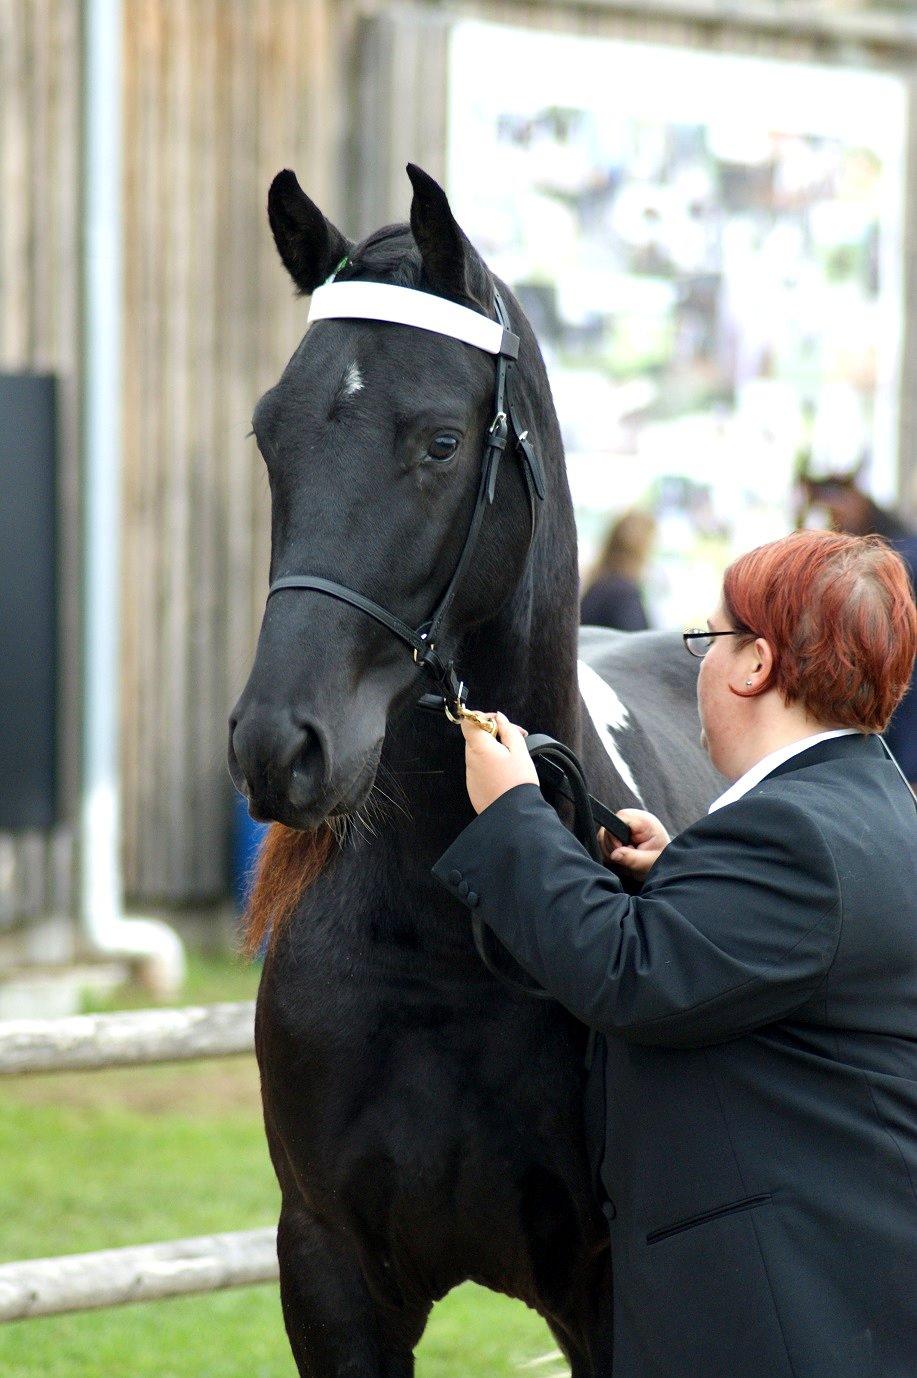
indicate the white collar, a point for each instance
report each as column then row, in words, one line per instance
column 770, row 762
column 383, row 301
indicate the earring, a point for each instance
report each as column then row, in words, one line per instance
column 748, row 683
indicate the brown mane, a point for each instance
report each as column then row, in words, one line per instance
column 289, row 862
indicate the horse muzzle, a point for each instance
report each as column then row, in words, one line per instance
column 283, row 768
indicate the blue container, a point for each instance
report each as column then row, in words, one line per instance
column 247, row 837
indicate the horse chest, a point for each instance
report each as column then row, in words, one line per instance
column 397, row 1096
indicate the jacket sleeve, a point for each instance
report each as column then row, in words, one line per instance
column 736, row 925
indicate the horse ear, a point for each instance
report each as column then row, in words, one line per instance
column 450, row 261
column 310, row 246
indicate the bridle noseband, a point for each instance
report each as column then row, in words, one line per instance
column 381, row 301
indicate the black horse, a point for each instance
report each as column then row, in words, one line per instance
column 424, row 1121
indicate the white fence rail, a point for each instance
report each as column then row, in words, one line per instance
column 148, row 1272
column 127, row 1039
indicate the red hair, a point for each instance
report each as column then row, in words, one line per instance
column 288, row 863
column 838, row 613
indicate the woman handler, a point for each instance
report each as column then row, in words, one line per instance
column 757, row 1001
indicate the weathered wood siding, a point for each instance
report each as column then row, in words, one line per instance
column 219, row 95
column 39, row 330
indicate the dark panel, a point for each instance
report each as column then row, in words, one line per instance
column 28, row 603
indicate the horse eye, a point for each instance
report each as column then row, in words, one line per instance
column 442, row 447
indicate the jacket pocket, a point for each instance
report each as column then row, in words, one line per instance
column 747, row 1203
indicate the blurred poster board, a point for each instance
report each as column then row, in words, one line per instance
column 710, row 250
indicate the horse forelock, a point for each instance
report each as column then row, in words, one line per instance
column 290, row 861
column 389, row 253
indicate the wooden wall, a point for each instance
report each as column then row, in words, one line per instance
column 39, row 330
column 219, row 96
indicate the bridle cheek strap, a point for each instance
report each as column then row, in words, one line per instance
column 404, row 306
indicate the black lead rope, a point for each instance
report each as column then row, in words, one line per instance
column 559, row 769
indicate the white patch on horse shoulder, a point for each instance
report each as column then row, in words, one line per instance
column 609, row 715
column 352, row 382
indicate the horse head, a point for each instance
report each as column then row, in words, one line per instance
column 373, row 439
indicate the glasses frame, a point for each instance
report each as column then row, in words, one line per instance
column 690, row 635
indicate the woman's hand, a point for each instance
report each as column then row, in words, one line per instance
column 648, row 839
column 493, row 766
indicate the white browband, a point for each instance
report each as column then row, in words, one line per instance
column 380, row 301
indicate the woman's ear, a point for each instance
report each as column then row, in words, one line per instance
column 763, row 658
column 754, row 663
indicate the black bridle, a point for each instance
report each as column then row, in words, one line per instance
column 505, row 430
column 557, row 764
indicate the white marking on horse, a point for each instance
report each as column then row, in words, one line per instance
column 609, row 715
column 352, row 382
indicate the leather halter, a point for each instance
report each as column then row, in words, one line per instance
column 505, row 429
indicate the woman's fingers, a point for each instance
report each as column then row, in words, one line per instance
column 631, row 859
column 486, row 757
column 512, row 736
column 608, row 843
column 648, row 838
column 645, row 828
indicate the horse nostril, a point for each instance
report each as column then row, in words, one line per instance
column 275, row 762
column 306, row 770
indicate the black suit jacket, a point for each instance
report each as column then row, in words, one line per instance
column 753, row 1109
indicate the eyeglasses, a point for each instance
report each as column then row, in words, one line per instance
column 698, row 642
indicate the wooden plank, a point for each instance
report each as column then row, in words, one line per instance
column 270, row 345
column 148, row 326
column 132, row 251
column 156, row 828
column 149, row 1272
column 130, row 1038
column 40, row 269
column 197, row 515
column 207, row 708
column 176, row 476
column 14, row 171
column 246, row 222
column 402, row 93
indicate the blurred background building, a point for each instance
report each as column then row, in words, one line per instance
column 709, row 213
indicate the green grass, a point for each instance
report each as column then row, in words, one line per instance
column 209, row 979
column 101, row 1160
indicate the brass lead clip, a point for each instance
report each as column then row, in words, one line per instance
column 479, row 719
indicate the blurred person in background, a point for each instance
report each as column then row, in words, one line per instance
column 614, row 596
column 851, row 510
